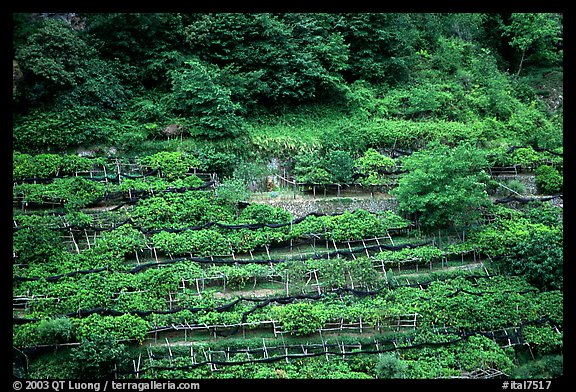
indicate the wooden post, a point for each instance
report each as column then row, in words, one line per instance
column 264, row 348
column 119, row 170
column 74, row 241
column 169, row 350
column 365, row 249
column 352, row 253
column 317, row 282
column 87, row 238
column 389, row 237
column 286, row 352
column 335, row 247
column 378, row 242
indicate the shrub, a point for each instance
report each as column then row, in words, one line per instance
column 301, row 318
column 390, row 366
column 549, row 180
column 263, row 213
column 98, row 357
column 55, row 331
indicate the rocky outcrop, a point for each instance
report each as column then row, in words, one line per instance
column 16, row 76
column 71, row 18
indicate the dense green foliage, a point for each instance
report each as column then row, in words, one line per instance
column 444, row 186
column 123, row 78
column 155, row 155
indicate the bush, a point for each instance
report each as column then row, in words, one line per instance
column 215, row 161
column 301, row 318
column 390, row 366
column 263, row 213
column 449, row 185
column 99, row 357
column 547, row 367
column 340, row 165
column 542, row 265
column 172, row 164
column 232, row 191
column 56, row 331
column 196, row 92
column 549, row 180
column 515, row 187
column 543, row 339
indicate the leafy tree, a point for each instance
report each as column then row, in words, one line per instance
column 73, row 192
column 542, row 265
column 173, row 164
column 196, row 93
column 50, row 59
column 148, row 45
column 372, row 165
column 309, row 167
column 340, row 166
column 60, row 67
column 301, row 318
column 253, row 173
column 177, row 210
column 380, row 50
column 215, row 161
column 36, row 244
column 122, row 241
column 544, row 339
column 519, row 243
column 284, row 57
column 536, row 36
column 526, row 157
column 544, row 213
column 545, row 367
column 443, row 186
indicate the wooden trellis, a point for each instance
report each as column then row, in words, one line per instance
column 487, row 373
column 503, row 170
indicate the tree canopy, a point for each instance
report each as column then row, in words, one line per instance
column 126, row 74
column 443, row 185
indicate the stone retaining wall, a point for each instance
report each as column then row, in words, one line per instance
column 336, row 205
column 301, row 207
column 529, row 181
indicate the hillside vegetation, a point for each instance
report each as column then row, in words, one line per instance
column 149, row 151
